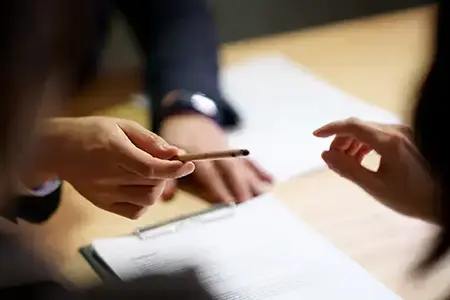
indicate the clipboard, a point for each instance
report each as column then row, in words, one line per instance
column 285, row 269
column 107, row 275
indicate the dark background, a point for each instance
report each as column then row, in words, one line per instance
column 241, row 19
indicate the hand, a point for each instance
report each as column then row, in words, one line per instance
column 402, row 181
column 221, row 181
column 116, row 164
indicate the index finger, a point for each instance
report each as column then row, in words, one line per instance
column 146, row 140
column 364, row 132
column 141, row 163
column 212, row 184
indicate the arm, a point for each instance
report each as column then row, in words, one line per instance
column 180, row 44
column 38, row 191
column 181, row 47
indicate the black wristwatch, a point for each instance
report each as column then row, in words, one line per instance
column 183, row 101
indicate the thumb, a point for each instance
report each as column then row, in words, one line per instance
column 148, row 141
column 349, row 168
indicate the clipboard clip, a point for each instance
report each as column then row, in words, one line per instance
column 216, row 214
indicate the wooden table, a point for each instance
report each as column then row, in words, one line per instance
column 378, row 59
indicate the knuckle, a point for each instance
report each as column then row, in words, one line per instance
column 101, row 144
column 353, row 123
column 394, row 143
column 153, row 138
column 148, row 171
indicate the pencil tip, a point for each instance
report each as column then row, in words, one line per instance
column 245, row 152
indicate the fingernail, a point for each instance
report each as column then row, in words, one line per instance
column 230, row 201
column 168, row 198
column 241, row 199
column 187, row 169
column 318, row 132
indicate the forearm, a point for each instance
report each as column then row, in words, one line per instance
column 184, row 50
column 37, row 189
column 180, row 44
column 40, row 176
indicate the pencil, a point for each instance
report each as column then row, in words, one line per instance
column 212, row 155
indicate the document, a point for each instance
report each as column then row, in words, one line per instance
column 259, row 251
column 281, row 104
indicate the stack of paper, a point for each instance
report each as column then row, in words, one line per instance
column 281, row 104
column 261, row 251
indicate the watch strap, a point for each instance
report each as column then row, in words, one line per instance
column 184, row 102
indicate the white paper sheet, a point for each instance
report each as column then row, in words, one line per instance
column 263, row 251
column 281, row 104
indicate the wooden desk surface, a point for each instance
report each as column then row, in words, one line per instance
column 380, row 60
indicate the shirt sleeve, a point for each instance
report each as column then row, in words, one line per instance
column 180, row 45
column 36, row 206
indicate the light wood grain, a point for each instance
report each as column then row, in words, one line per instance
column 380, row 60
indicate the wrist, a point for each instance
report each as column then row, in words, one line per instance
column 44, row 165
column 181, row 103
column 186, row 116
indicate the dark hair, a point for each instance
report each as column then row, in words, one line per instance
column 38, row 39
column 431, row 121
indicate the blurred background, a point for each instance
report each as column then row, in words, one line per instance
column 239, row 20
column 366, row 56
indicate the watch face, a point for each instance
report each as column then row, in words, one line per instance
column 204, row 105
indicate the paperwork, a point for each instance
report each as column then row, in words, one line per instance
column 260, row 251
column 281, row 104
